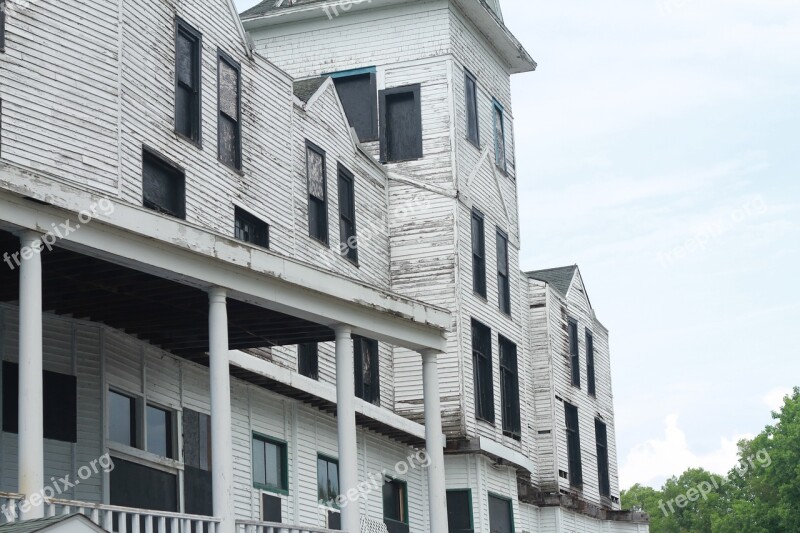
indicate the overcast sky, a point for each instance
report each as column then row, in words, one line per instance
column 659, row 148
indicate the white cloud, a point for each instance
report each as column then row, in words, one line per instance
column 655, row 460
column 774, row 398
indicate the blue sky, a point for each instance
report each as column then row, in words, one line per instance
column 659, row 148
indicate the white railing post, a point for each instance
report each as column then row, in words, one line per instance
column 437, row 495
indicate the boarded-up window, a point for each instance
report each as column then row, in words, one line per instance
column 359, row 95
column 308, row 360
column 60, row 399
column 230, row 137
column 471, row 90
column 138, row 486
column 187, row 81
column 401, row 124
column 499, row 136
column 250, row 229
column 601, row 436
column 395, row 505
column 573, row 445
column 347, row 215
column 459, row 511
column 509, row 385
column 503, row 283
column 367, row 369
column 162, row 185
column 590, row 371
column 327, row 481
column 317, row 193
column 271, row 508
column 478, row 254
column 574, row 355
column 482, row 370
column 501, row 517
column 197, row 481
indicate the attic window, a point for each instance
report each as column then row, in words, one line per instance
column 401, row 124
column 359, row 95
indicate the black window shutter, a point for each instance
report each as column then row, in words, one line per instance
column 575, row 359
column 308, row 360
column 359, row 97
column 271, row 509
column 401, row 124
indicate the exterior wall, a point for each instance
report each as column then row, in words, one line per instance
column 554, row 519
column 103, row 357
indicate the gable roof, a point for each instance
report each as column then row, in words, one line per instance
column 43, row 524
column 559, row 278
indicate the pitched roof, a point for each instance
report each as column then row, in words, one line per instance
column 559, row 278
column 305, row 89
column 42, row 524
column 271, row 5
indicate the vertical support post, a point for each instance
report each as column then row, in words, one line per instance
column 434, row 444
column 31, row 390
column 346, row 429
column 221, row 433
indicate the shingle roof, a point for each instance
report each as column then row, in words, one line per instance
column 271, row 5
column 32, row 526
column 305, row 89
column 559, row 278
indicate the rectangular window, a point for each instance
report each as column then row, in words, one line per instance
column 159, row 431
column 501, row 515
column 317, row 193
column 503, row 282
column 574, row 355
column 122, row 426
column 347, row 216
column 482, row 369
column 590, row 373
column 509, row 385
column 459, row 511
column 478, row 254
column 401, row 124
column 499, row 136
column 270, row 464
column 141, row 487
column 249, row 228
column 308, row 360
column 359, row 96
column 573, row 445
column 163, row 185
column 327, row 481
column 367, row 369
column 197, row 482
column 271, row 508
column 188, row 50
column 395, row 505
column 601, row 436
column 230, row 111
column 471, row 90
column 60, row 403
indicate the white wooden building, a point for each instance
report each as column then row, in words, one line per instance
column 260, row 273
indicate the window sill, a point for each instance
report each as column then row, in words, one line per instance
column 196, row 143
column 143, row 457
column 386, row 162
column 485, row 420
column 480, row 296
column 320, row 242
column 238, row 171
column 473, row 143
column 271, row 490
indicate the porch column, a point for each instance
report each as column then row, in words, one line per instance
column 221, row 433
column 346, row 427
column 31, row 410
column 437, row 495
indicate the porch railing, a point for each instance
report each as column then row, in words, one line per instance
column 251, row 526
column 128, row 520
column 9, row 511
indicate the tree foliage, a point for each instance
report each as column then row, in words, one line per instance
column 760, row 495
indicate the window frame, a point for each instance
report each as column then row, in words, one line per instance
column 468, row 491
column 158, row 158
column 416, row 91
column 389, row 480
column 222, row 56
column 512, row 419
column 257, row 223
column 171, row 430
column 469, row 77
column 603, row 467
column 507, row 500
column 479, row 283
column 573, row 345
column 375, row 369
column 503, row 278
column 300, row 356
column 333, row 501
column 373, row 83
column 346, row 178
column 574, row 453
column 499, row 109
column 591, row 379
column 137, row 434
column 282, row 445
column 483, row 385
column 324, row 219
column 182, row 26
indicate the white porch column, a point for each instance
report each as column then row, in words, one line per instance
column 31, row 424
column 221, row 433
column 437, row 495
column 346, row 427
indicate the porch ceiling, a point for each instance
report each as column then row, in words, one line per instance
column 166, row 313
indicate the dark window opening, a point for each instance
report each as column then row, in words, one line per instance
column 499, row 136
column 590, row 372
column 459, row 511
column 601, row 436
column 509, row 385
column 574, row 355
column 230, row 111
column 188, row 50
column 141, row 487
column 573, row 445
column 317, row 193
column 501, row 515
column 163, row 185
column 367, row 369
column 395, row 505
column 60, row 403
column 159, row 431
column 308, row 360
column 270, row 464
column 401, row 124
column 347, row 216
column 359, row 96
column 327, row 481
column 503, row 280
column 197, row 481
column 471, row 90
column 249, row 228
column 482, row 369
column 271, row 508
column 334, row 520
column 478, row 254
